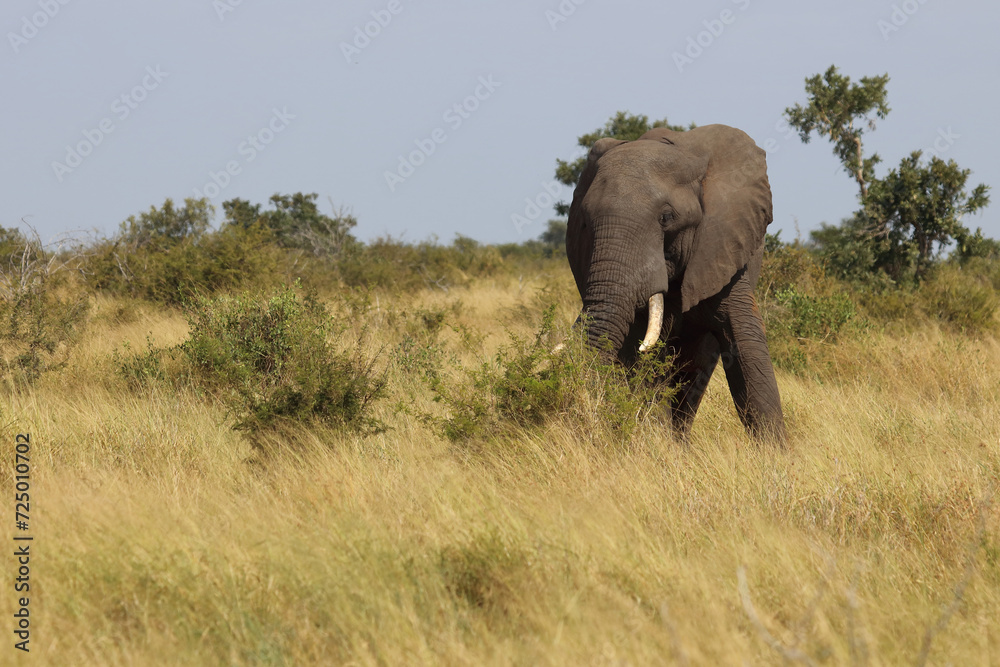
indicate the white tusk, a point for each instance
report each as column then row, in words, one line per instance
column 655, row 322
column 558, row 348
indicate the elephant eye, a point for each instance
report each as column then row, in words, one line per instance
column 666, row 217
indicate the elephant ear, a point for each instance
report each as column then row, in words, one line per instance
column 600, row 147
column 736, row 209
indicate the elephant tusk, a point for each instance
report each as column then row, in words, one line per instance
column 655, row 322
column 558, row 348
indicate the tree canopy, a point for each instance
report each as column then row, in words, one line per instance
column 840, row 111
column 906, row 217
column 296, row 222
column 919, row 207
column 165, row 227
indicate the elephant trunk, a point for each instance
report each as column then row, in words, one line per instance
column 609, row 310
column 626, row 271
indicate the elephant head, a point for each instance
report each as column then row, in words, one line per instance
column 678, row 213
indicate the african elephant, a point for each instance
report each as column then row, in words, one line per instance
column 665, row 239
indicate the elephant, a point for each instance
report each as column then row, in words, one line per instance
column 665, row 239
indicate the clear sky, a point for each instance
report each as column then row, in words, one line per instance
column 110, row 106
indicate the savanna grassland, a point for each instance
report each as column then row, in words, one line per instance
column 535, row 513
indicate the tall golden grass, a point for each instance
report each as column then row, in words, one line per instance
column 161, row 537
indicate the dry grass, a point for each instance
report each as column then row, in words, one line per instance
column 162, row 539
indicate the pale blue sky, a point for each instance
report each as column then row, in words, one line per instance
column 200, row 81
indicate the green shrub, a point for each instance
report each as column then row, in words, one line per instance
column 390, row 263
column 960, row 297
column 983, row 269
column 159, row 229
column 42, row 311
column 958, row 294
column 526, row 384
column 799, row 325
column 894, row 304
column 418, row 357
column 850, row 250
column 975, row 246
column 271, row 360
column 139, row 370
column 420, row 352
column 296, row 222
column 170, row 256
column 804, row 308
column 12, row 242
column 788, row 266
column 817, row 317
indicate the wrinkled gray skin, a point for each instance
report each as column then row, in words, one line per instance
column 682, row 213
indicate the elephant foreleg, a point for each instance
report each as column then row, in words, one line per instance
column 750, row 373
column 696, row 360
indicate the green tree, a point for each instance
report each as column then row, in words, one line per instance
column 163, row 228
column 241, row 213
column 976, row 245
column 11, row 241
column 167, row 254
column 848, row 249
column 920, row 207
column 555, row 234
column 622, row 125
column 296, row 222
column 840, row 111
column 553, row 239
column 907, row 217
